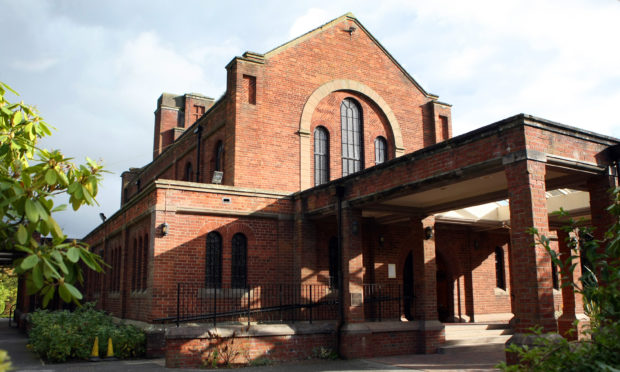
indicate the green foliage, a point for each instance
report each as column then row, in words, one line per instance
column 30, row 179
column 600, row 288
column 8, row 292
column 321, row 352
column 60, row 335
column 5, row 361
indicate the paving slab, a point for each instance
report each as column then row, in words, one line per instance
column 24, row 360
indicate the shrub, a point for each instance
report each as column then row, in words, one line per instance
column 8, row 292
column 600, row 287
column 60, row 335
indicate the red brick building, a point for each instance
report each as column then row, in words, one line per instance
column 326, row 164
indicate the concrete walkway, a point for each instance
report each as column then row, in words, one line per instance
column 14, row 341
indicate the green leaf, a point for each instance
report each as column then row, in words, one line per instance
column 74, row 291
column 64, row 293
column 31, row 211
column 54, row 228
column 50, row 177
column 17, row 118
column 22, row 235
column 73, row 254
column 48, row 296
column 49, row 271
column 29, row 262
column 37, row 276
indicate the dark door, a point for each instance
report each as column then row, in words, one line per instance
column 408, row 287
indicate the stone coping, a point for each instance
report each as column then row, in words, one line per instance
column 299, row 328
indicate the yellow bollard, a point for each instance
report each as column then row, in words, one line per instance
column 110, row 355
column 94, row 355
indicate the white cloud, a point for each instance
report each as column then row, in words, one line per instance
column 34, row 65
column 312, row 19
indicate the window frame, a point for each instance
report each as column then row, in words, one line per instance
column 239, row 259
column 321, row 155
column 213, row 258
column 352, row 136
column 381, row 147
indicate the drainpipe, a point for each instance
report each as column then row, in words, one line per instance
column 198, row 131
column 340, row 194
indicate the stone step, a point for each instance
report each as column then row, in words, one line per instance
column 478, row 341
column 457, row 334
column 486, row 348
column 476, row 326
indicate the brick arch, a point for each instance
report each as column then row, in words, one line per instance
column 306, row 119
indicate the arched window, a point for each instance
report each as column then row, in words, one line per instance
column 219, row 151
column 136, row 263
column 351, row 127
column 238, row 278
column 321, row 156
column 500, row 274
column 145, row 262
column 333, row 262
column 213, row 277
column 188, row 176
column 380, row 150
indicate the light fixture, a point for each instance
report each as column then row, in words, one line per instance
column 351, row 30
column 428, row 232
column 164, row 229
column 355, row 228
column 381, row 241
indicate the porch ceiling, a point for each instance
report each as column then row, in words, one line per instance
column 466, row 193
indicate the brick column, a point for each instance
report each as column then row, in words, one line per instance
column 530, row 272
column 425, row 284
column 352, row 265
column 572, row 303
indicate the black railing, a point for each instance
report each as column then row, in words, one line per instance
column 382, row 302
column 265, row 303
column 277, row 303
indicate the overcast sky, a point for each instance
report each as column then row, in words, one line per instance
column 96, row 68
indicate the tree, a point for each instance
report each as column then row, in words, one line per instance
column 30, row 180
column 600, row 287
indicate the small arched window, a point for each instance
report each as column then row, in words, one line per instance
column 238, row 278
column 188, row 172
column 351, row 128
column 219, row 152
column 500, row 274
column 321, row 156
column 213, row 270
column 380, row 150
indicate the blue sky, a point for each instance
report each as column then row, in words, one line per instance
column 96, row 68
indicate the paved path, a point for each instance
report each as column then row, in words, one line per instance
column 14, row 341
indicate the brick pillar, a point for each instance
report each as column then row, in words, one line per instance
column 530, row 272
column 572, row 303
column 352, row 265
column 425, row 270
column 600, row 199
column 425, row 285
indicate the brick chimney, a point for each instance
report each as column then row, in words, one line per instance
column 174, row 114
